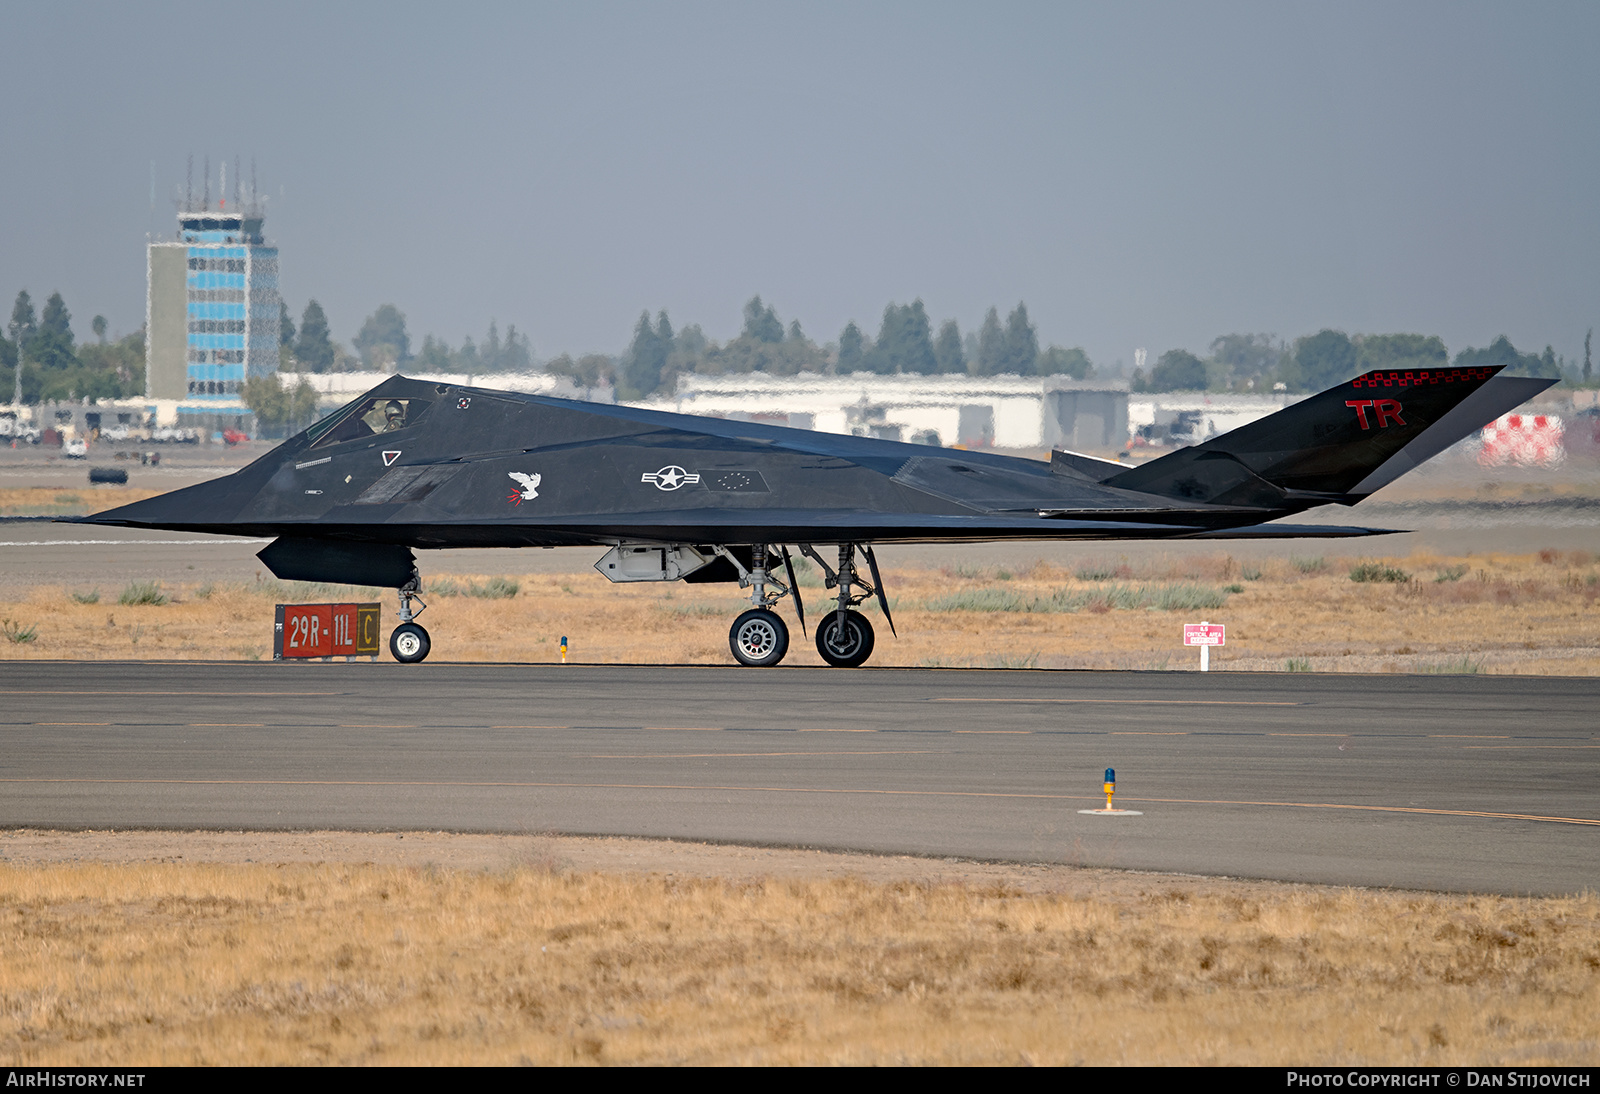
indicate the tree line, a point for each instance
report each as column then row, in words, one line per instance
column 1261, row 362
column 905, row 345
column 56, row 367
column 383, row 345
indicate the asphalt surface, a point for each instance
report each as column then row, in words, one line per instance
column 1450, row 783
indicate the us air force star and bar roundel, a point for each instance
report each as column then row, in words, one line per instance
column 670, row 477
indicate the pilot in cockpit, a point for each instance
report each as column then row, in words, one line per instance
column 394, row 416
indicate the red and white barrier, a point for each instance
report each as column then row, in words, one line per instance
column 1528, row 440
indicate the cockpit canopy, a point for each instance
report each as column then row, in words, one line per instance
column 369, row 418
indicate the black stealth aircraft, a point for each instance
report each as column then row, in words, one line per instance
column 414, row 464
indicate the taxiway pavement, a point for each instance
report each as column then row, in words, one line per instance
column 1450, row 783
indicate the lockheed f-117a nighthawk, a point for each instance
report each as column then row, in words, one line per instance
column 415, row 464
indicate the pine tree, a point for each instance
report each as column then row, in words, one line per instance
column 23, row 327
column 1586, row 339
column 517, row 355
column 947, row 352
column 761, row 323
column 991, row 347
column 314, row 348
column 386, row 327
column 285, row 325
column 491, row 350
column 647, row 356
column 1022, row 345
column 24, row 324
column 52, row 346
column 852, row 349
column 56, row 319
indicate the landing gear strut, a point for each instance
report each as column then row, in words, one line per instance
column 409, row 641
column 845, row 637
column 759, row 637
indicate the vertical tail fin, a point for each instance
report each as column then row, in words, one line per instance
column 1339, row 445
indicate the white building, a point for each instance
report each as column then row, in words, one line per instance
column 1188, row 417
column 977, row 412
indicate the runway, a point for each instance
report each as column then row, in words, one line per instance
column 1448, row 783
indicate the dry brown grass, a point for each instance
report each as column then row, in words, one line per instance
column 292, row 964
column 64, row 501
column 1533, row 613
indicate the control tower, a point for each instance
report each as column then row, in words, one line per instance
column 212, row 307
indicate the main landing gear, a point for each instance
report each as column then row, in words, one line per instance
column 845, row 637
column 409, row 641
column 760, row 638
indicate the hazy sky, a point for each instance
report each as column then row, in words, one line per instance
column 1140, row 174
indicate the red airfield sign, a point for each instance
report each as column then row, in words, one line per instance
column 1205, row 634
column 325, row 630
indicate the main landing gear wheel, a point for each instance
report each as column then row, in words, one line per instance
column 759, row 638
column 409, row 643
column 848, row 646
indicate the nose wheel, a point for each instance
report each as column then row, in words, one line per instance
column 759, row 638
column 409, row 643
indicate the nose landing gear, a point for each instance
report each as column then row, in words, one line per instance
column 409, row 641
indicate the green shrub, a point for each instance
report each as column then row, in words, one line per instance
column 17, row 632
column 496, row 588
column 1101, row 571
column 143, row 592
column 1187, row 596
column 1449, row 573
column 1297, row 664
column 1378, row 572
column 980, row 600
column 90, row 597
column 1183, row 596
column 1310, row 565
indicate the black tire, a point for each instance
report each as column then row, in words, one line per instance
column 758, row 638
column 848, row 647
column 409, row 643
